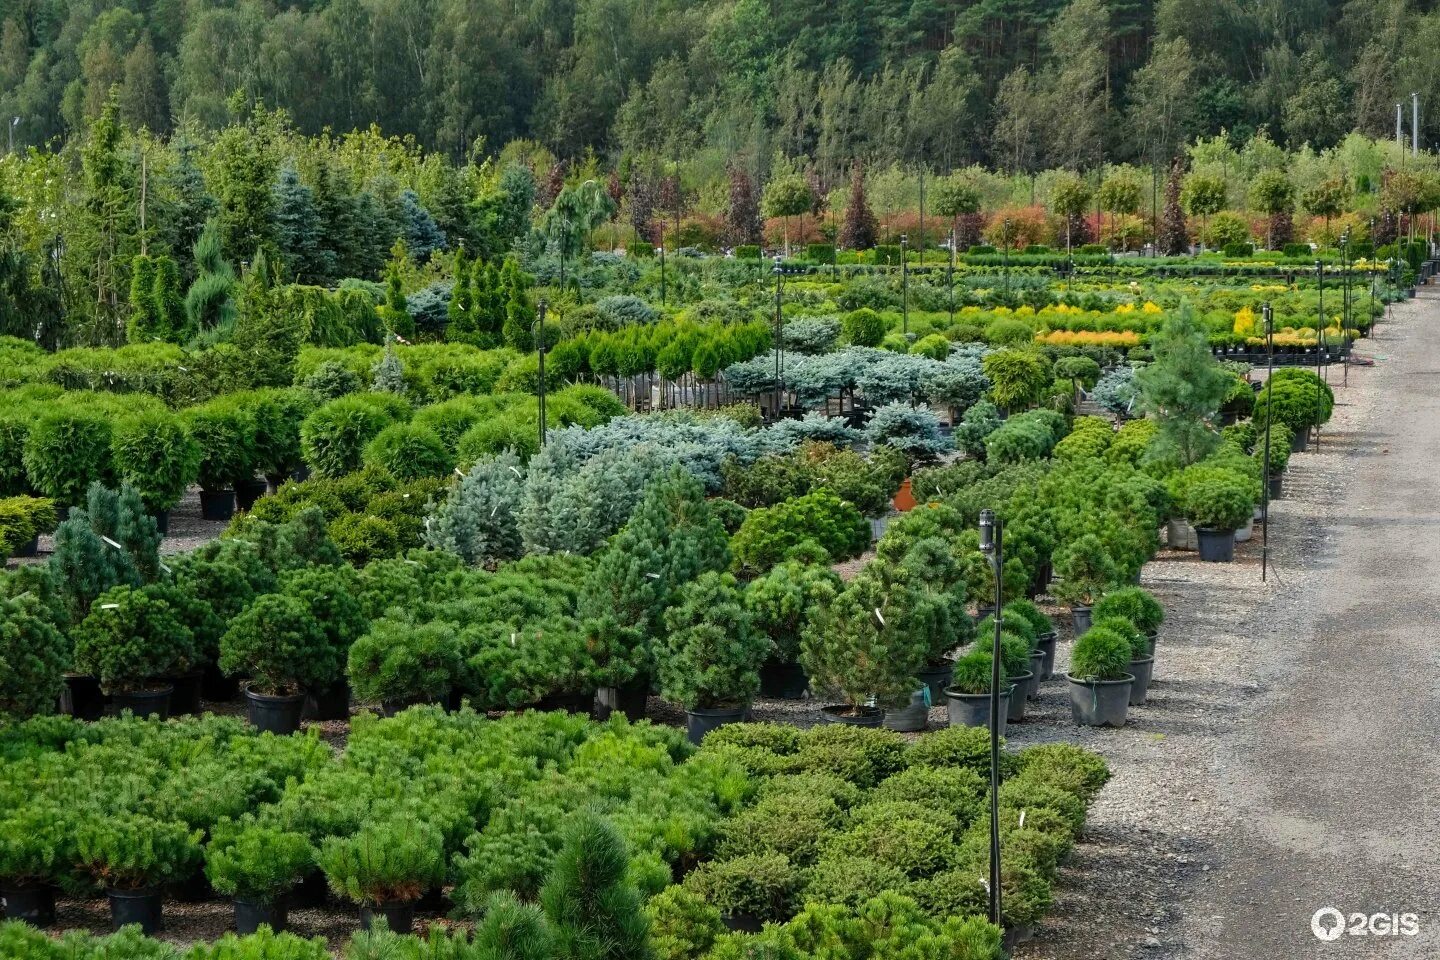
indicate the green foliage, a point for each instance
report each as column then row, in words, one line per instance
column 210, row 301
column 257, row 864
column 1184, row 388
column 863, row 328
column 389, row 860
column 397, row 662
column 1081, row 772
column 66, row 452
column 130, row 639
column 334, row 437
column 597, row 914
column 225, row 436
column 869, row 641
column 768, row 535
column 762, row 885
column 1218, row 499
column 154, row 454
column 1018, row 378
column 782, row 602
column 682, row 925
column 35, row 655
column 1100, row 654
column 1135, row 604
column 409, row 452
column 1085, row 568
column 710, row 653
column 280, row 646
column 478, row 519
column 134, row 852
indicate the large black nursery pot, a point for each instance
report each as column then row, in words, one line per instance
column 399, row 914
column 1143, row 670
column 82, row 697
column 849, row 716
column 1019, row 694
column 249, row 916
column 1045, row 643
column 911, row 717
column 34, row 903
column 332, row 703
column 782, row 680
column 29, row 548
column 629, row 700
column 1300, row 440
column 248, row 491
column 162, row 521
column 143, row 907
column 701, row 721
column 312, row 891
column 217, row 505
column 973, row 709
column 937, row 677
column 1100, row 703
column 1216, row 546
column 185, row 695
column 1037, row 673
column 143, row 703
column 274, row 714
column 1277, row 486
column 1080, row 620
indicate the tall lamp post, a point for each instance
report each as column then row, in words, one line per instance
column 950, row 276
column 779, row 271
column 992, row 538
column 14, row 122
column 1007, row 257
column 539, row 331
column 1345, row 310
column 661, row 251
column 905, row 285
column 1269, row 316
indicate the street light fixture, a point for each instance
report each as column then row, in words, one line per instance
column 992, row 539
column 1007, row 257
column 14, row 122
column 660, row 252
column 950, row 277
column 1269, row 317
column 539, row 332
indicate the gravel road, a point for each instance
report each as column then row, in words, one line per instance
column 1286, row 760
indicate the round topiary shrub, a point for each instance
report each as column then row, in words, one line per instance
column 333, row 438
column 280, row 646
column 130, row 639
column 762, row 886
column 863, row 328
column 1100, row 654
column 409, row 452
column 398, row 663
column 155, row 455
column 36, row 656
column 225, row 436
column 66, row 452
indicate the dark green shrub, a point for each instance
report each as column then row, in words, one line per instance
column 863, row 328
column 257, row 864
column 1085, row 569
column 957, row 793
column 812, row 783
column 36, row 656
column 596, row 912
column 792, row 824
column 1100, row 654
column 781, row 603
column 769, row 534
column 859, row 755
column 1139, row 643
column 869, row 641
column 399, row 662
column 276, row 415
column 331, row 380
column 131, row 851
column 22, row 519
column 333, row 437
column 225, row 436
column 1045, row 839
column 1067, row 766
column 974, row 674
column 66, row 452
column 1029, row 790
column 1135, row 604
column 14, row 432
column 710, row 654
column 762, row 885
column 409, row 452
column 280, row 646
column 153, row 453
column 362, row 538
column 389, row 860
column 909, row 837
column 1024, row 894
column 682, row 925
column 965, row 747
column 1219, row 500
column 130, row 639
column 1026, row 610
column 822, row 253
column 851, row 881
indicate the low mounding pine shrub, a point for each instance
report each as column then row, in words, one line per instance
column 1085, row 569
column 154, row 454
column 130, row 639
column 768, row 535
column 280, row 646
column 1100, row 654
column 257, row 864
column 1220, row 500
column 387, row 861
column 404, row 663
column 132, row 852
column 867, row 642
column 36, row 656
column 333, row 438
column 409, row 452
column 1139, row 644
column 1135, row 604
column 782, row 601
column 1026, row 610
column 66, row 452
column 764, row 886
column 710, row 654
column 973, row 674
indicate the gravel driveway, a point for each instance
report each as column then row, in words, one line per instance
column 1287, row 759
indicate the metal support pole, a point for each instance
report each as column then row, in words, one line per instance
column 992, row 545
column 1007, row 258
column 540, row 350
column 950, row 276
column 779, row 272
column 1320, row 336
column 905, row 286
column 1269, row 316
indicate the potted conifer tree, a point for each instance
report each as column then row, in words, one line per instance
column 284, row 651
column 385, row 867
column 134, row 856
column 1085, row 570
column 1100, row 680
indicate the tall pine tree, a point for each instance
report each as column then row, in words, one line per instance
column 144, row 322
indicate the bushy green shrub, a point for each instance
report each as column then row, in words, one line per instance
column 37, row 842
column 35, row 654
column 280, row 646
column 1085, row 569
column 67, row 451
column 409, row 452
column 710, row 654
column 762, row 885
column 870, row 641
column 390, row 860
column 1219, row 500
column 793, row 824
column 331, row 380
column 1065, row 765
column 957, row 793
column 225, row 436
column 1018, row 377
column 973, row 673
column 851, row 881
column 596, row 911
column 22, row 519
column 861, row 756
column 154, row 454
column 682, row 925
column 1026, row 610
column 782, row 602
column 911, row 838
column 479, row 518
column 256, row 863
column 398, row 662
column 964, row 747
column 863, row 328
column 1100, row 654
column 362, row 538
column 821, row 518
column 1018, row 440
column 1135, row 604
column 130, row 639
column 133, row 851
column 1139, row 643
column 333, row 437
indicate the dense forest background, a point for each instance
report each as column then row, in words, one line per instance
column 1017, row 84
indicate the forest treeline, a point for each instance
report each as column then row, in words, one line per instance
column 1017, row 84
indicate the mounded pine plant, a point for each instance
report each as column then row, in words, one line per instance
column 257, row 864
column 225, row 437
column 1135, row 604
column 710, row 654
column 1100, row 654
column 595, row 909
column 125, row 851
column 387, row 861
column 280, row 646
column 399, row 663
column 36, row 655
column 130, row 640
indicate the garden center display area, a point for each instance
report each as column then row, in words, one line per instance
column 670, row 639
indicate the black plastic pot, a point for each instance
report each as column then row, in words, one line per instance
column 700, row 722
column 1019, row 694
column 248, row 491
column 1216, row 546
column 1100, row 703
column 162, row 521
column 1045, row 643
column 848, row 716
column 742, row 922
column 1277, row 486
column 32, row 903
column 937, row 677
column 1080, row 620
column 217, row 505
column 217, row 687
column 780, row 680
column 1142, row 670
column 973, row 709
column 984, row 610
column 629, row 700
column 1037, row 671
column 28, row 548
column 249, row 916
column 570, row 702
column 185, row 698
column 1299, row 441
column 301, row 474
column 399, row 914
column 143, row 703
column 911, row 717
column 311, row 892
column 137, row 906
column 272, row 714
column 331, row 704
column 192, row 888
column 82, row 697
